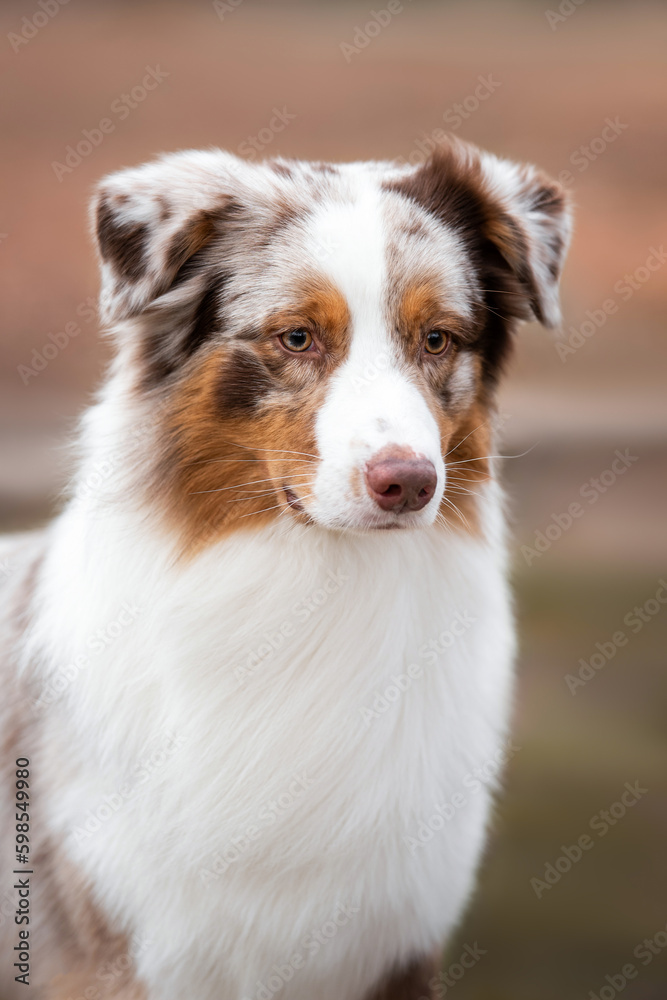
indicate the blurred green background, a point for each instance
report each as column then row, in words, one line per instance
column 555, row 74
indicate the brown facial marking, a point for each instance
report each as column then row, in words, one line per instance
column 466, row 445
column 416, row 227
column 556, row 245
column 410, row 982
column 244, row 383
column 186, row 256
column 240, row 427
column 122, row 244
column 284, row 213
column 451, row 186
column 420, row 309
column 197, row 232
column 549, row 198
column 207, row 316
column 283, row 169
column 324, row 309
column 170, row 337
column 165, row 208
column 507, row 235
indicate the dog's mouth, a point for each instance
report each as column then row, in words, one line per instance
column 293, row 500
column 387, row 522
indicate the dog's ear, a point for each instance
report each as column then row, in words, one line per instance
column 150, row 221
column 515, row 220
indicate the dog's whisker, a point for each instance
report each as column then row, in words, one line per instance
column 262, row 493
column 466, row 482
column 456, row 511
column 251, row 497
column 488, row 308
column 282, row 451
column 442, row 520
column 459, row 483
column 483, row 458
column 266, row 510
column 465, row 438
column 468, row 493
column 246, row 461
column 459, row 473
column 252, row 482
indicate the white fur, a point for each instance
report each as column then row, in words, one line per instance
column 242, row 741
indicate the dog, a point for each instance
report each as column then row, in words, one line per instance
column 260, row 666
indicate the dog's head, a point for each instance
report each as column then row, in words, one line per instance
column 322, row 342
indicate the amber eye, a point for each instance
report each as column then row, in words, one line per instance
column 436, row 341
column 296, row 340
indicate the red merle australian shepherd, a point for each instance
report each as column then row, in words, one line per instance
column 259, row 662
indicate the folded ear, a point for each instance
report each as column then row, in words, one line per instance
column 151, row 220
column 516, row 222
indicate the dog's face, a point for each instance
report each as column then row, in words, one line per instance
column 323, row 342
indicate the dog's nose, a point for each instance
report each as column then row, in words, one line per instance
column 397, row 483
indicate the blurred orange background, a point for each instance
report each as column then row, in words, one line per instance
column 581, row 90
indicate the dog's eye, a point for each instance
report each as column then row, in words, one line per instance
column 297, row 340
column 437, row 342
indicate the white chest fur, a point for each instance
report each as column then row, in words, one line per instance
column 262, row 789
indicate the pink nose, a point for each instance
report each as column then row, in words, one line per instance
column 397, row 483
